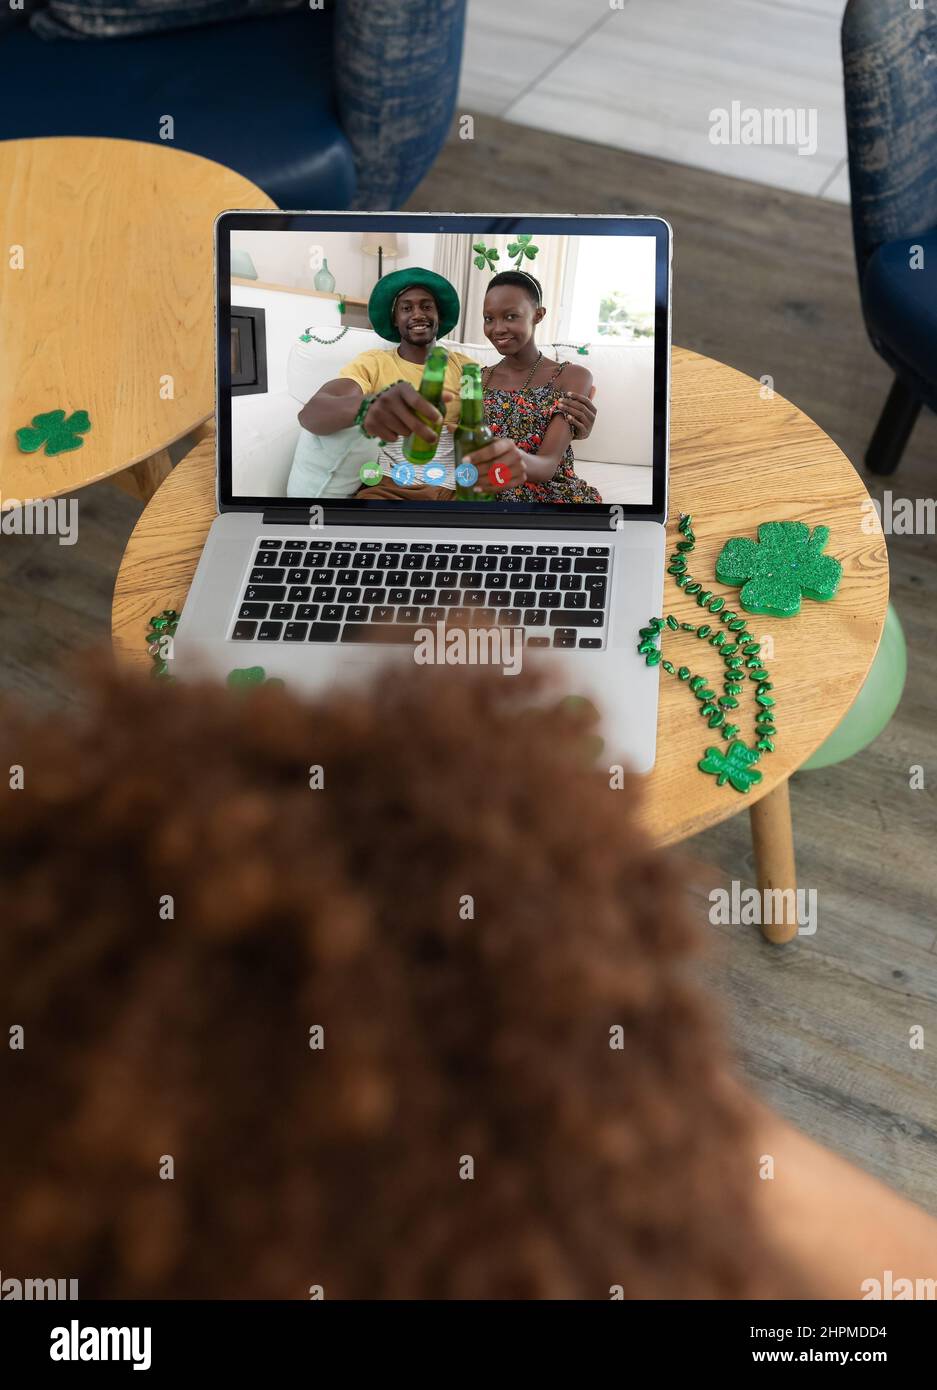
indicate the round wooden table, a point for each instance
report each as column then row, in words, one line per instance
column 737, row 460
column 106, row 301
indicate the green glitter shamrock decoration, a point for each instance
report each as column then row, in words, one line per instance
column 52, row 429
column 250, row 675
column 785, row 563
column 734, row 765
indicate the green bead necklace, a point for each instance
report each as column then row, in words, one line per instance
column 162, row 629
column 740, row 654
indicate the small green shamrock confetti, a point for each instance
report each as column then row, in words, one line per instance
column 250, row 675
column 52, row 429
column 785, row 563
column 734, row 765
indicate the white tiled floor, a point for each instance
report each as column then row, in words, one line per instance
column 509, row 44
column 646, row 76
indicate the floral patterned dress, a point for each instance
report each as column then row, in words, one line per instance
column 524, row 416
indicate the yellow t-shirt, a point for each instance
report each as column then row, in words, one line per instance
column 380, row 367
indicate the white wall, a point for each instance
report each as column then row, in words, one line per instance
column 283, row 258
column 286, row 317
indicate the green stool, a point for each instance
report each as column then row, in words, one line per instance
column 874, row 706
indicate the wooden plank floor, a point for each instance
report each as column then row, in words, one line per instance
column 764, row 280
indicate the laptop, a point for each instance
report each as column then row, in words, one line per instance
column 334, row 554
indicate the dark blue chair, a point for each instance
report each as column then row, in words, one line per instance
column 335, row 108
column 890, row 71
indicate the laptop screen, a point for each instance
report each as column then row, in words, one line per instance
column 489, row 365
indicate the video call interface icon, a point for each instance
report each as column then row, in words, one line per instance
column 370, row 473
column 404, row 474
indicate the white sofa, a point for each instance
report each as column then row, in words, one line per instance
column 616, row 458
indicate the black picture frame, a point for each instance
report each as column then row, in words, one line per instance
column 248, row 327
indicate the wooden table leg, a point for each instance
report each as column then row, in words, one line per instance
column 142, row 479
column 773, row 843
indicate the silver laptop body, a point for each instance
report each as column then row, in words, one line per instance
column 315, row 642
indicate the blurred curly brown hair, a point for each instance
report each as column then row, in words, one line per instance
column 449, row 1031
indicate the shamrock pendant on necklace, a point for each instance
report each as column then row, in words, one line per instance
column 741, row 657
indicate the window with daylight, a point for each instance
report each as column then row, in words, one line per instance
column 611, row 291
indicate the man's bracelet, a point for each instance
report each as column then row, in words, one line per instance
column 363, row 409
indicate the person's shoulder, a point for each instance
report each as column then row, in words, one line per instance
column 576, row 377
column 367, row 364
column 370, row 357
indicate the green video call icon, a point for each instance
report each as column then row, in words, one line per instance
column 370, row 473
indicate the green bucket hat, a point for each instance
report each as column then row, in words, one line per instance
column 388, row 290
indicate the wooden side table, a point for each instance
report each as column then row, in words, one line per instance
column 736, row 460
column 112, row 309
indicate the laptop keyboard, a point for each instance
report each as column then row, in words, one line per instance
column 384, row 591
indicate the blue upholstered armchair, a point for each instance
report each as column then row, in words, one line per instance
column 345, row 106
column 890, row 68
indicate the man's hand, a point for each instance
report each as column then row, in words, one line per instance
column 501, row 465
column 397, row 413
column 580, row 414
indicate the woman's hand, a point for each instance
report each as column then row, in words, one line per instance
column 501, row 465
column 579, row 412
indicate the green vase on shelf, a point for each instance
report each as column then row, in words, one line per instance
column 325, row 280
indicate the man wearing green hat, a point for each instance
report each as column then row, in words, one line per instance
column 379, row 389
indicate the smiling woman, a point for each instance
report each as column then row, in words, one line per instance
column 532, row 401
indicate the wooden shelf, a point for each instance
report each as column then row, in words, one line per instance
column 296, row 289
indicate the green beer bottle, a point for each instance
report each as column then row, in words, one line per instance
column 415, row 449
column 471, row 432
